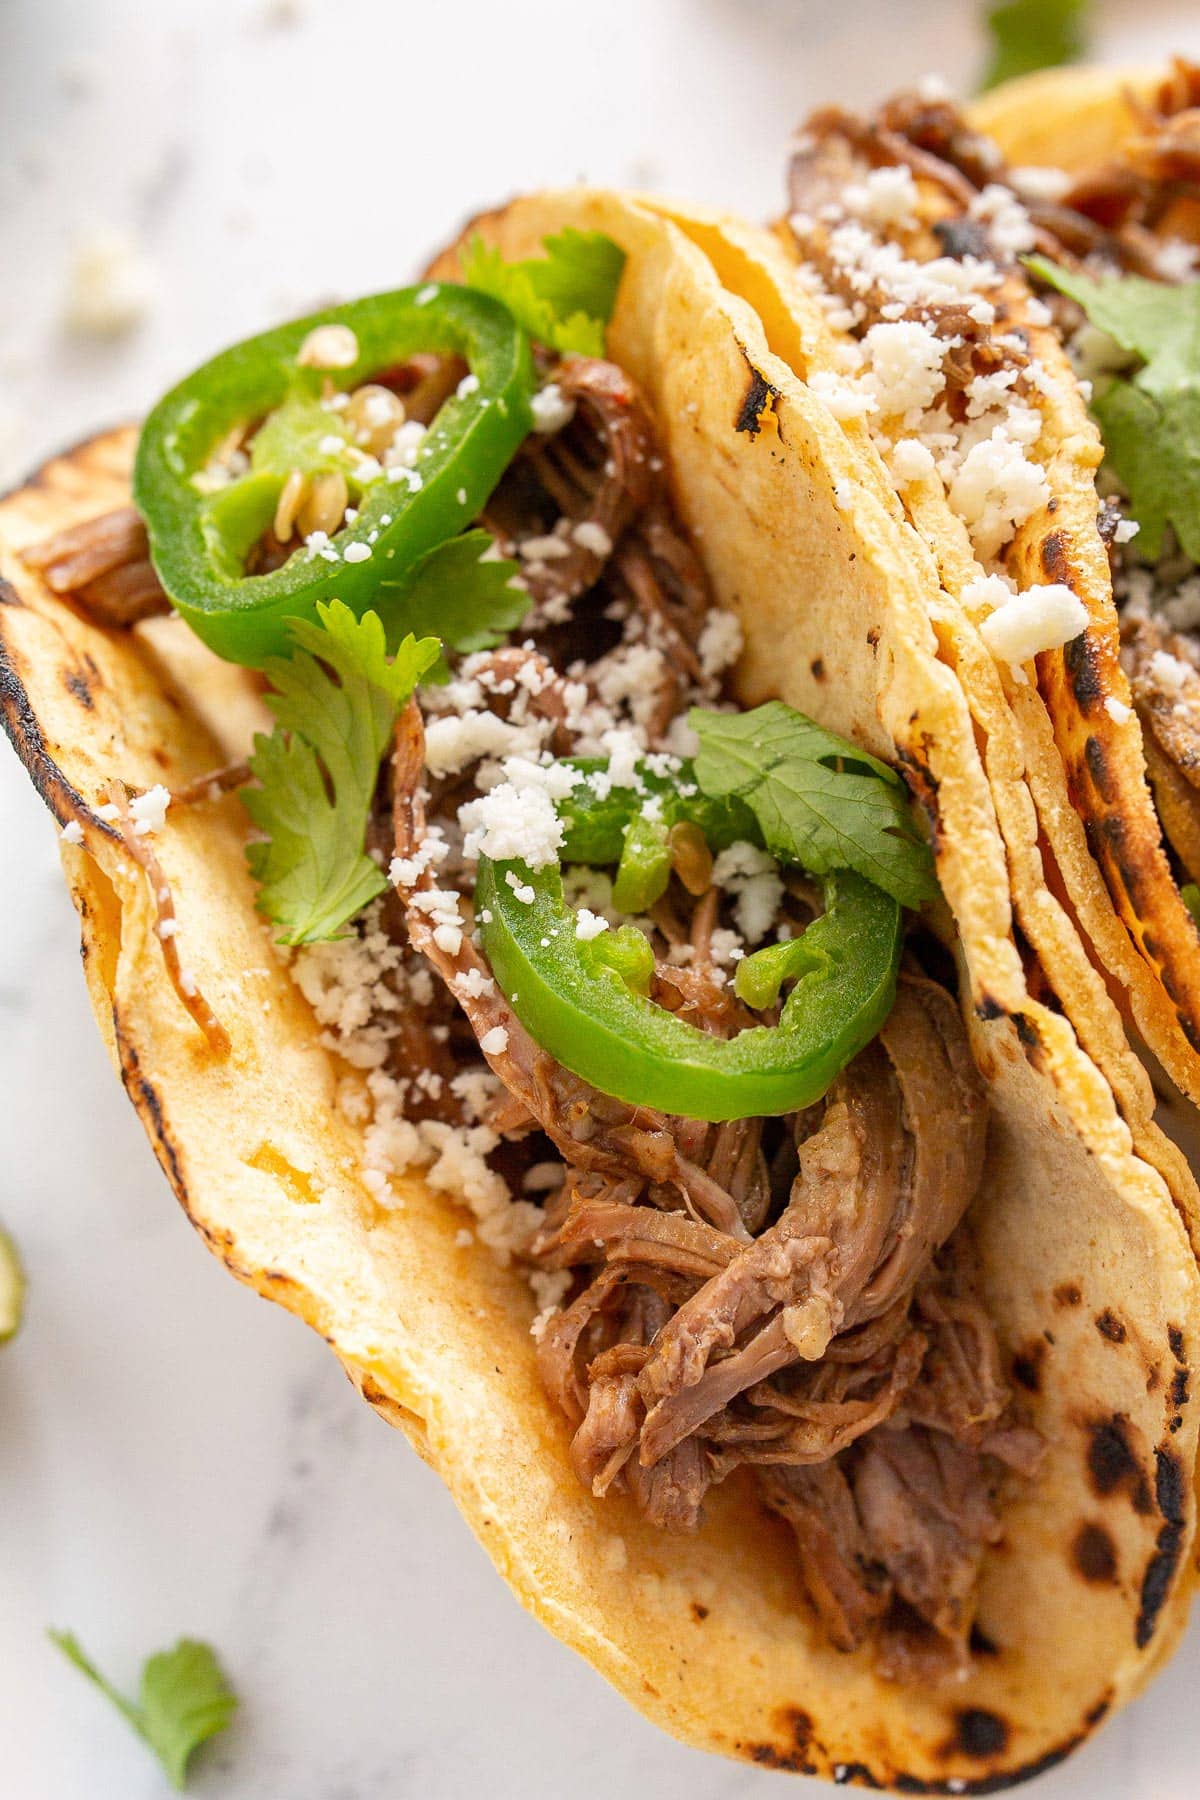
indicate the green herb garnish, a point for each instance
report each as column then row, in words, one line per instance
column 1150, row 419
column 819, row 801
column 183, row 1699
column 336, row 701
column 1027, row 35
column 461, row 592
column 563, row 299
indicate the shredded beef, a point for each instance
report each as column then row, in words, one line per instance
column 1165, row 679
column 1119, row 211
column 567, row 498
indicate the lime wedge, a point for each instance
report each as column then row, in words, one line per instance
column 12, row 1288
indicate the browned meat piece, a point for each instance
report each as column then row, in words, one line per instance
column 1154, row 181
column 670, row 1494
column 699, row 997
column 1120, row 211
column 1166, row 690
column 423, row 382
column 830, row 155
column 608, row 1436
column 828, row 1409
column 609, row 1228
column 597, row 474
column 138, row 846
column 104, row 565
column 665, row 584
column 589, row 501
column 927, row 1515
column 882, row 1184
column 939, row 129
column 561, row 1339
column 962, row 1389
column 945, row 1120
column 544, row 698
column 846, row 1585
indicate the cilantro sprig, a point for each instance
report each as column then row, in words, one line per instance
column 461, row 592
column 563, row 299
column 183, row 1699
column 818, row 800
column 1027, row 35
column 335, row 702
column 1150, row 419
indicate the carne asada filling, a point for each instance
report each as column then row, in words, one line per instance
column 796, row 1295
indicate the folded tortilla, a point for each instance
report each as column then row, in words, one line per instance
column 1132, row 799
column 1085, row 1261
column 1092, row 889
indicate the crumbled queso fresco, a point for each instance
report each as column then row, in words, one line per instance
column 890, row 377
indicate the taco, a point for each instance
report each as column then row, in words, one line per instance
column 590, row 1058
column 921, row 291
column 1122, row 152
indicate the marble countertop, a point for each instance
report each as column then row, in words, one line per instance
column 176, row 1456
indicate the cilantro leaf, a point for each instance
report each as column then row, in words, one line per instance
column 184, row 1699
column 563, row 299
column 819, row 800
column 1150, row 420
column 460, row 593
column 1033, row 34
column 335, row 702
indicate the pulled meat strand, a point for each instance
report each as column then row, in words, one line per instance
column 214, row 784
column 598, row 472
column 1151, row 187
column 888, row 139
column 834, row 1414
column 926, row 1510
column 103, row 564
column 841, row 1571
column 1165, row 682
column 139, row 848
column 600, row 480
column 627, row 1234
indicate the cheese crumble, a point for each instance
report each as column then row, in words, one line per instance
column 551, row 409
column 1040, row 618
column 149, row 810
column 589, row 925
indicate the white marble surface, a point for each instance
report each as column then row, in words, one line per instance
column 175, row 1455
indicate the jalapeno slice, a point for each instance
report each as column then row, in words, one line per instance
column 588, row 1007
column 202, row 532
